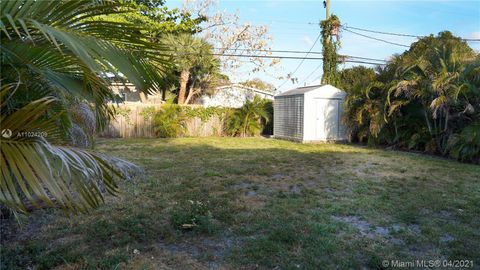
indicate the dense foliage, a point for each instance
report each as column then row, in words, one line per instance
column 330, row 28
column 54, row 57
column 426, row 99
column 169, row 121
column 156, row 19
column 248, row 120
column 194, row 65
column 253, row 119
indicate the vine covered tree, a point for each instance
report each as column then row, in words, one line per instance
column 330, row 28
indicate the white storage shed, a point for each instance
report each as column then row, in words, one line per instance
column 310, row 113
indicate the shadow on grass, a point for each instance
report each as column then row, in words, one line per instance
column 258, row 202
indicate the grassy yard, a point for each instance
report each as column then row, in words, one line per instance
column 234, row 203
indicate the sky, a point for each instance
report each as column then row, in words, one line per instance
column 294, row 26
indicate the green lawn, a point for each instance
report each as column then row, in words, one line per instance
column 230, row 203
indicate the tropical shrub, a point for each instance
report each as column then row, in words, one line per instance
column 246, row 121
column 426, row 99
column 267, row 122
column 169, row 121
column 252, row 119
column 54, row 55
column 465, row 145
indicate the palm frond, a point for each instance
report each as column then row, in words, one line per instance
column 35, row 172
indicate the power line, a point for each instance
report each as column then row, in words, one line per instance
column 301, row 52
column 374, row 31
column 399, row 34
column 381, row 32
column 285, row 57
column 359, row 57
column 377, row 39
column 317, row 78
column 267, row 56
column 303, row 60
column 315, row 70
column 394, row 34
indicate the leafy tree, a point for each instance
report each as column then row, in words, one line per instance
column 356, row 81
column 205, row 79
column 431, row 75
column 428, row 97
column 54, row 54
column 156, row 19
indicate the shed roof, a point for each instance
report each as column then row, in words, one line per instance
column 300, row 90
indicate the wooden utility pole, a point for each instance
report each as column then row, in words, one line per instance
column 327, row 9
column 327, row 15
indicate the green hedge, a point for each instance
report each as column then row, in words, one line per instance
column 253, row 119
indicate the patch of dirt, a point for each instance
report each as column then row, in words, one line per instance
column 278, row 176
column 213, row 250
column 295, row 189
column 242, row 185
column 447, row 238
column 163, row 260
column 311, row 184
column 369, row 230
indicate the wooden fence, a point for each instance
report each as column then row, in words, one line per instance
column 132, row 123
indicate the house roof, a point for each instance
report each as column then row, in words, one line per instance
column 300, row 90
column 245, row 87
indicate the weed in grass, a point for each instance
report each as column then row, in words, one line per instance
column 193, row 215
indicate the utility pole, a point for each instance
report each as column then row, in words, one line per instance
column 327, row 44
column 327, row 8
column 326, row 3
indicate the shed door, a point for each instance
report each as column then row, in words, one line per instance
column 326, row 125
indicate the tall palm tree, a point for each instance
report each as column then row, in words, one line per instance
column 53, row 53
column 190, row 52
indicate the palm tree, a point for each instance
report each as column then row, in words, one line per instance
column 246, row 121
column 438, row 81
column 189, row 53
column 54, row 53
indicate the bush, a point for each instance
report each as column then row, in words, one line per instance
column 169, row 121
column 250, row 120
column 465, row 146
column 247, row 121
column 425, row 99
column 268, row 123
